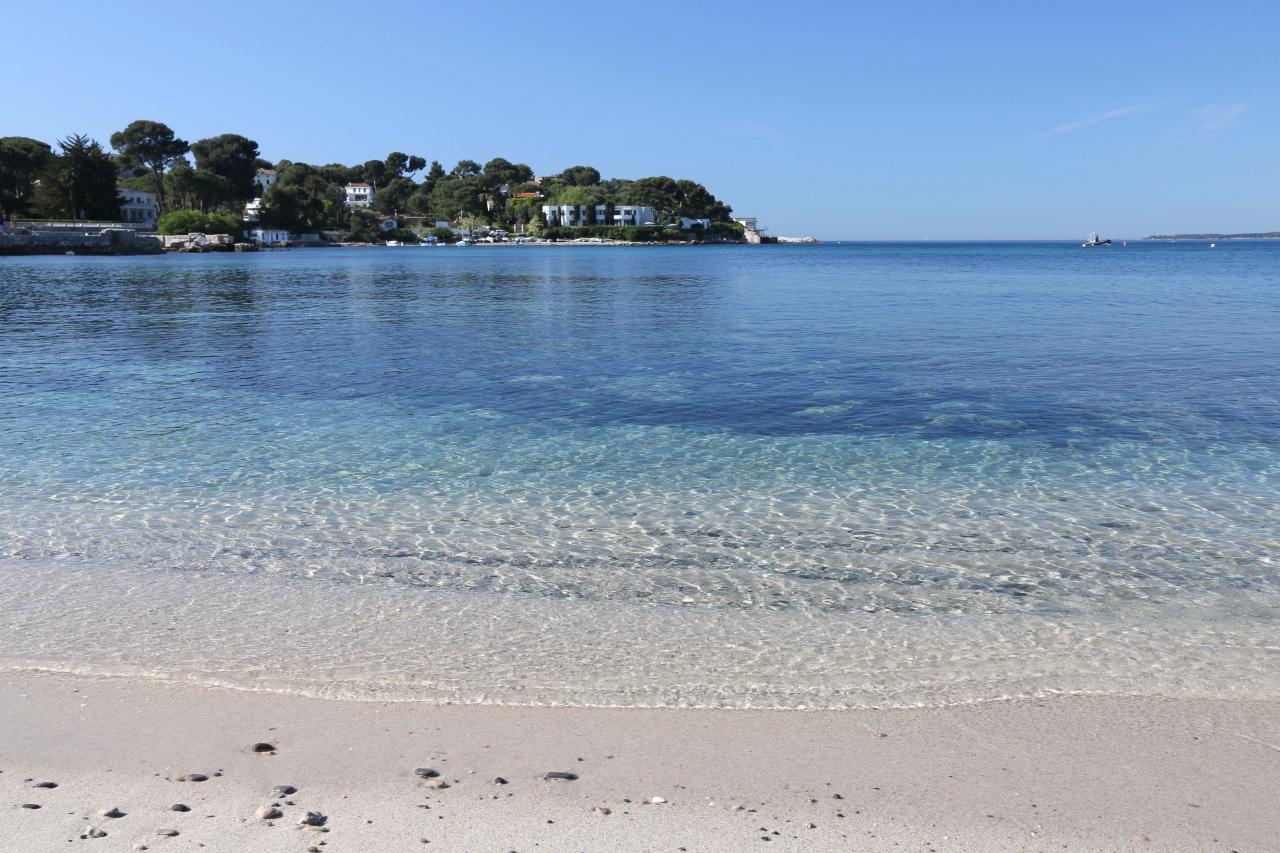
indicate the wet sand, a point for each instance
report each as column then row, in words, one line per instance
column 1062, row 774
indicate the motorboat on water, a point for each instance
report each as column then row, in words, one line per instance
column 1094, row 241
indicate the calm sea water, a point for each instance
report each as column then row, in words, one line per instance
column 821, row 451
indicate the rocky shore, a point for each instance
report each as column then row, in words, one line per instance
column 107, row 241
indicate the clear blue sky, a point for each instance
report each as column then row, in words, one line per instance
column 843, row 120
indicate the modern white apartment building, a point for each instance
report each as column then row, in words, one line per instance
column 359, row 194
column 572, row 215
column 138, row 207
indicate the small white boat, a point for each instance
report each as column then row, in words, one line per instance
column 1094, row 241
column 394, row 243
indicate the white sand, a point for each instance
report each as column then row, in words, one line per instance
column 1063, row 774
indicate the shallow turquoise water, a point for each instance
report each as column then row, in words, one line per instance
column 842, row 431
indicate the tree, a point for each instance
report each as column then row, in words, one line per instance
column 189, row 188
column 150, row 145
column 661, row 193
column 374, row 171
column 466, row 169
column 499, row 171
column 696, row 203
column 396, row 163
column 416, row 164
column 195, row 222
column 394, row 195
column 580, row 176
column 79, row 182
column 338, row 174
column 434, row 174
column 472, row 223
column 233, row 160
column 456, row 197
column 302, row 199
column 21, row 160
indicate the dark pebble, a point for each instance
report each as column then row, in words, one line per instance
column 179, row 807
column 426, row 773
column 263, row 747
column 498, row 780
column 560, row 774
column 31, row 805
column 45, row 785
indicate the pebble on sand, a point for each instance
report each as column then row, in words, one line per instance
column 179, row 807
column 112, row 812
column 603, row 810
column 193, row 777
column 94, row 832
column 262, row 746
column 312, row 819
column 438, row 784
column 498, row 780
column 656, row 801
column 426, row 773
column 166, row 833
column 268, row 813
column 282, row 791
column 31, row 805
column 45, row 785
column 560, row 774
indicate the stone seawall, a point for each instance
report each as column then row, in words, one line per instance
column 114, row 241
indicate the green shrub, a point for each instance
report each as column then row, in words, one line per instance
column 193, row 221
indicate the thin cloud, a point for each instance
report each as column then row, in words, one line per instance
column 765, row 132
column 1089, row 121
column 1217, row 118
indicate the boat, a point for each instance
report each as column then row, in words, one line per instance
column 1094, row 241
column 394, row 243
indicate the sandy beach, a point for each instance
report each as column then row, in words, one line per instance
column 1064, row 774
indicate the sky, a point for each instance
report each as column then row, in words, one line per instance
column 849, row 120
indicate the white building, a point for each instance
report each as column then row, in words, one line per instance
column 269, row 236
column 265, row 179
column 572, row 215
column 686, row 223
column 138, row 207
column 253, row 210
column 359, row 194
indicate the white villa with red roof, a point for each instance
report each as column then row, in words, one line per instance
column 359, row 194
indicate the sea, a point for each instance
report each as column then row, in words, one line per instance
column 828, row 476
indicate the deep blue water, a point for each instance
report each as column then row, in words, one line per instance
column 952, row 427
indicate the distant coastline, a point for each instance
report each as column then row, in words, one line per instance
column 1260, row 235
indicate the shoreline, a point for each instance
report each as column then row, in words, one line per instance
column 1062, row 774
column 378, row 640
